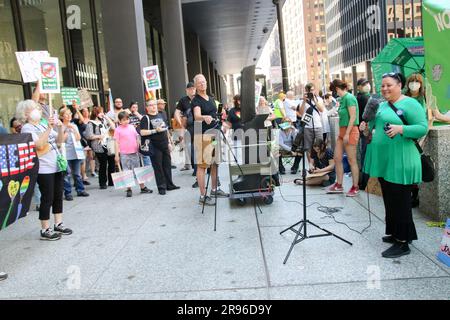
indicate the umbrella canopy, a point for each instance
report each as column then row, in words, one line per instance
column 404, row 55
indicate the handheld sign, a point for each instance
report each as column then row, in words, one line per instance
column 69, row 95
column 29, row 64
column 152, row 78
column 49, row 75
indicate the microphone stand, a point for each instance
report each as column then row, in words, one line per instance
column 302, row 233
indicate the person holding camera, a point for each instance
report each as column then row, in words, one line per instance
column 313, row 105
column 348, row 138
column 394, row 159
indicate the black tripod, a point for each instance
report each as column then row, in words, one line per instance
column 209, row 178
column 302, row 232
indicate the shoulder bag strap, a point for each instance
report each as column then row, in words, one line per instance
column 400, row 114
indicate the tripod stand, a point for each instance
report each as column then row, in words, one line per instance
column 302, row 232
column 217, row 127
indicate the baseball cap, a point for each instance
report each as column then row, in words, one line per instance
column 190, row 85
column 362, row 82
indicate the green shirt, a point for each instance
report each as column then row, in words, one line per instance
column 346, row 101
column 397, row 160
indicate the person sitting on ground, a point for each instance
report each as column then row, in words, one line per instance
column 323, row 159
column 127, row 148
column 286, row 140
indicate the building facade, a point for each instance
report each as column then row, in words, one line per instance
column 357, row 30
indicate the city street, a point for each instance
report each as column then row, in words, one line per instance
column 153, row 247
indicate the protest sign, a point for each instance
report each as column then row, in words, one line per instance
column 19, row 170
column 123, row 179
column 49, row 75
column 85, row 98
column 144, row 174
column 152, row 78
column 69, row 95
column 444, row 252
column 29, row 64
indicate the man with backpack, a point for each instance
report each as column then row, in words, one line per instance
column 185, row 117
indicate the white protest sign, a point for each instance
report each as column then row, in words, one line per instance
column 29, row 64
column 152, row 78
column 49, row 75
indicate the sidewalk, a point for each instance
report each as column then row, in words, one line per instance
column 153, row 247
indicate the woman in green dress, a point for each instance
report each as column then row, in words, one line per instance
column 393, row 158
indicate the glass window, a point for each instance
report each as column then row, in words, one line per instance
column 9, row 69
column 101, row 42
column 10, row 95
column 43, row 30
column 82, row 42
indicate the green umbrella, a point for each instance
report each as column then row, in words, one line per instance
column 405, row 55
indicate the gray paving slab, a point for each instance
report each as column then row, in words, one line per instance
column 39, row 268
column 164, row 257
column 408, row 289
column 329, row 260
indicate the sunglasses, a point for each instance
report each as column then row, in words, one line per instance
column 392, row 75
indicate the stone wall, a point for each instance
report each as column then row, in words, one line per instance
column 435, row 196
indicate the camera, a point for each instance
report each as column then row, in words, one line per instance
column 387, row 127
column 310, row 96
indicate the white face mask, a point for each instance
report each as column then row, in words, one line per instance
column 35, row 115
column 367, row 88
column 414, row 86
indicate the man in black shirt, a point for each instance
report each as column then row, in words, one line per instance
column 184, row 115
column 206, row 150
column 363, row 97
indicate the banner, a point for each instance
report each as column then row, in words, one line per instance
column 70, row 94
column 49, row 75
column 144, row 174
column 444, row 252
column 19, row 169
column 436, row 31
column 29, row 64
column 152, row 78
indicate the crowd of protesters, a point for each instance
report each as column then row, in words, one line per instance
column 98, row 144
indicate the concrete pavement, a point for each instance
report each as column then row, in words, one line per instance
column 153, row 247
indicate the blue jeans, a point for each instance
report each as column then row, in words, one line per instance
column 73, row 169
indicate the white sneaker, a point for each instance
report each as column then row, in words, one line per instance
column 3, row 276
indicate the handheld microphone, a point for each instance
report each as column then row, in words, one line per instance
column 371, row 108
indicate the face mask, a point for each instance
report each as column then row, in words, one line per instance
column 414, row 86
column 35, row 115
column 367, row 88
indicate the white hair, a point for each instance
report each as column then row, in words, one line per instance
column 24, row 108
column 148, row 102
column 197, row 77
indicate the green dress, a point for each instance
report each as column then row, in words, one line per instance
column 397, row 160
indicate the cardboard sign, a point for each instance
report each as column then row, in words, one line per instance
column 85, row 99
column 152, row 78
column 29, row 64
column 49, row 75
column 144, row 174
column 123, row 180
column 70, row 94
column 444, row 252
column 19, row 170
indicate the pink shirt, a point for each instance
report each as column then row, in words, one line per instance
column 126, row 137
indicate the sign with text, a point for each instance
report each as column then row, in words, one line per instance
column 444, row 252
column 29, row 64
column 19, row 170
column 85, row 99
column 49, row 75
column 152, row 78
column 69, row 95
column 123, row 179
column 144, row 174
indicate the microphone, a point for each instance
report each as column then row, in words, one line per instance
column 372, row 108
